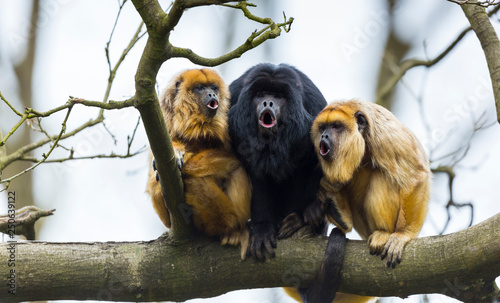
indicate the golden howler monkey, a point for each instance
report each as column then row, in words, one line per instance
column 376, row 175
column 376, row 178
column 216, row 186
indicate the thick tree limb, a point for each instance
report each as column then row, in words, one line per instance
column 478, row 18
column 462, row 265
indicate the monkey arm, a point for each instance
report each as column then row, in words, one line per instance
column 263, row 215
column 154, row 190
column 335, row 205
column 313, row 215
column 211, row 162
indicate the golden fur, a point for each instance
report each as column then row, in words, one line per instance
column 377, row 176
column 215, row 184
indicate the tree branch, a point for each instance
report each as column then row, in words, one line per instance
column 271, row 31
column 406, row 65
column 478, row 18
column 411, row 63
column 7, row 181
column 461, row 265
column 449, row 171
column 475, row 2
column 31, row 113
column 22, row 221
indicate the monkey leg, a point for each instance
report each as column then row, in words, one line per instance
column 386, row 214
column 335, row 205
column 239, row 192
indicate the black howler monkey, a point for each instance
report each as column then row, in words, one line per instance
column 272, row 110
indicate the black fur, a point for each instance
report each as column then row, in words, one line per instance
column 325, row 285
column 280, row 161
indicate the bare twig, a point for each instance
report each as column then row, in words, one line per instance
column 271, row 31
column 411, row 63
column 101, row 156
column 22, row 221
column 475, row 2
column 7, row 181
column 449, row 171
column 10, row 105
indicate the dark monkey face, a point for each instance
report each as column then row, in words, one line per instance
column 208, row 98
column 329, row 136
column 268, row 106
column 332, row 132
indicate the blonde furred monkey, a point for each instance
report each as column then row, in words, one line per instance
column 376, row 178
column 216, row 186
column 376, row 175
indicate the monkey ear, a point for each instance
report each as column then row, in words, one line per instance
column 177, row 87
column 361, row 120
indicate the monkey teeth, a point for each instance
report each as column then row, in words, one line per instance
column 213, row 104
column 267, row 119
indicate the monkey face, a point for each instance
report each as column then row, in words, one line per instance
column 208, row 99
column 268, row 108
column 195, row 105
column 338, row 137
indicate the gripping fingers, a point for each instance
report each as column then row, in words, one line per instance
column 179, row 158
column 314, row 214
column 388, row 245
column 292, row 223
column 393, row 250
column 156, row 172
column 262, row 239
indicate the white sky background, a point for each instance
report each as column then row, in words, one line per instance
column 104, row 200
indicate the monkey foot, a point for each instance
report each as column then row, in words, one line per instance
column 388, row 245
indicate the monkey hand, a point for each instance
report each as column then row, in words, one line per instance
column 313, row 215
column 291, row 224
column 179, row 158
column 156, row 172
column 262, row 239
column 334, row 215
column 388, row 245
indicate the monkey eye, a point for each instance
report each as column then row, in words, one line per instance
column 214, row 87
column 337, row 125
column 259, row 95
column 321, row 128
column 200, row 88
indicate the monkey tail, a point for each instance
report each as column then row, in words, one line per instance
column 325, row 285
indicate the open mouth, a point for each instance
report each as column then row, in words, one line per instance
column 324, row 147
column 213, row 104
column 267, row 119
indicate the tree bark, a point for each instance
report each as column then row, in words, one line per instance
column 462, row 265
column 478, row 19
